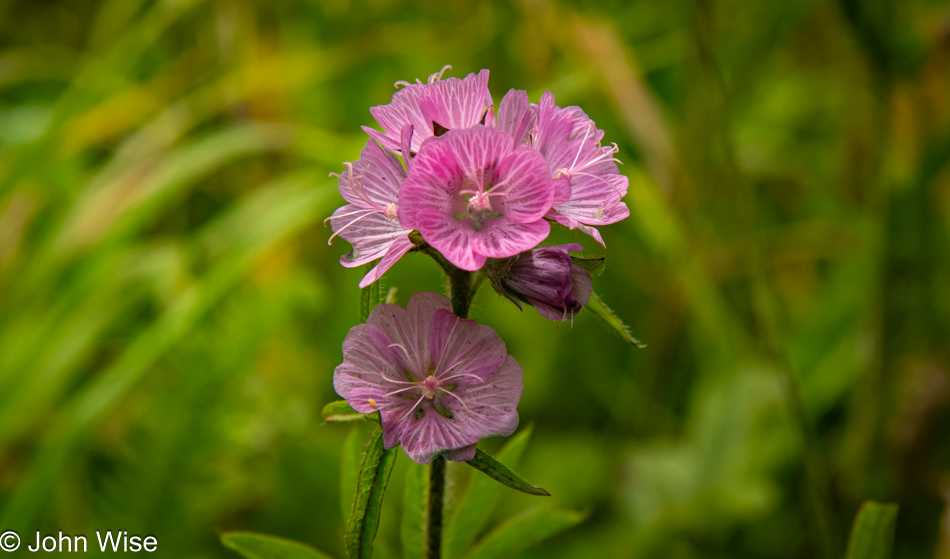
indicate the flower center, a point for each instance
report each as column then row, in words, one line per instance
column 430, row 386
column 475, row 205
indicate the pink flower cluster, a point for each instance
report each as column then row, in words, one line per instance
column 476, row 185
column 482, row 189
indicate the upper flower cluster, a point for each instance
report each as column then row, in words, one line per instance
column 475, row 184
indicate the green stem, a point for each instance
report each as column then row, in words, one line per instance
column 461, row 291
column 436, row 499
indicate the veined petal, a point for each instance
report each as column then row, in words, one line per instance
column 478, row 151
column 453, row 103
column 572, row 223
column 451, row 237
column 515, row 116
column 491, row 406
column 373, row 181
column 371, row 233
column 526, row 190
column 434, row 183
column 501, row 238
column 462, row 351
column 399, row 247
column 456, row 104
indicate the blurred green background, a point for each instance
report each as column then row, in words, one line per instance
column 171, row 314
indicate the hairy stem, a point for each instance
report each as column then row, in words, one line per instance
column 461, row 291
column 436, row 498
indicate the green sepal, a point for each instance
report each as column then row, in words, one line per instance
column 500, row 473
column 600, row 310
column 374, row 476
column 340, row 412
column 872, row 535
column 262, row 546
column 593, row 265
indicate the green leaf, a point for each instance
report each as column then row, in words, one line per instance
column 523, row 531
column 369, row 297
column 260, row 546
column 340, row 411
column 466, row 519
column 414, row 515
column 596, row 305
column 497, row 471
column 872, row 535
column 593, row 265
column 352, row 456
column 374, row 476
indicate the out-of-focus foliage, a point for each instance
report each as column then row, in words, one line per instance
column 170, row 313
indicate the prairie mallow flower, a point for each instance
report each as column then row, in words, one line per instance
column 369, row 222
column 545, row 278
column 439, row 382
column 473, row 195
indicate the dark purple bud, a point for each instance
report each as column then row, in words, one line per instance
column 545, row 278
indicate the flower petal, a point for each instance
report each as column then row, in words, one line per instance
column 372, row 181
column 399, row 247
column 501, row 238
column 451, row 237
column 463, row 351
column 457, row 104
column 434, row 183
column 371, row 233
column 526, row 188
column 491, row 407
column 515, row 116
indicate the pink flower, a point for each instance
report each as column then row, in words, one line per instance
column 473, row 195
column 440, row 382
column 369, row 222
column 571, row 145
column 432, row 108
column 546, row 278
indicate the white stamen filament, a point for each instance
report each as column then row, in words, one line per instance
column 335, row 233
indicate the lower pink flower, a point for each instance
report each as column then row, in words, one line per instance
column 440, row 382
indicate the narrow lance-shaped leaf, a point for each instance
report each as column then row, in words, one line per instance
column 340, row 411
column 261, row 546
column 369, row 298
column 593, row 265
column 523, row 531
column 600, row 310
column 467, row 518
column 350, row 459
column 374, row 476
column 872, row 535
column 503, row 475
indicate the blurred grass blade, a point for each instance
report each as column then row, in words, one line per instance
column 414, row 514
column 596, row 305
column 374, row 476
column 261, row 546
column 259, row 224
column 340, row 411
column 466, row 519
column 523, row 531
column 500, row 473
column 369, row 297
column 593, row 265
column 872, row 535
